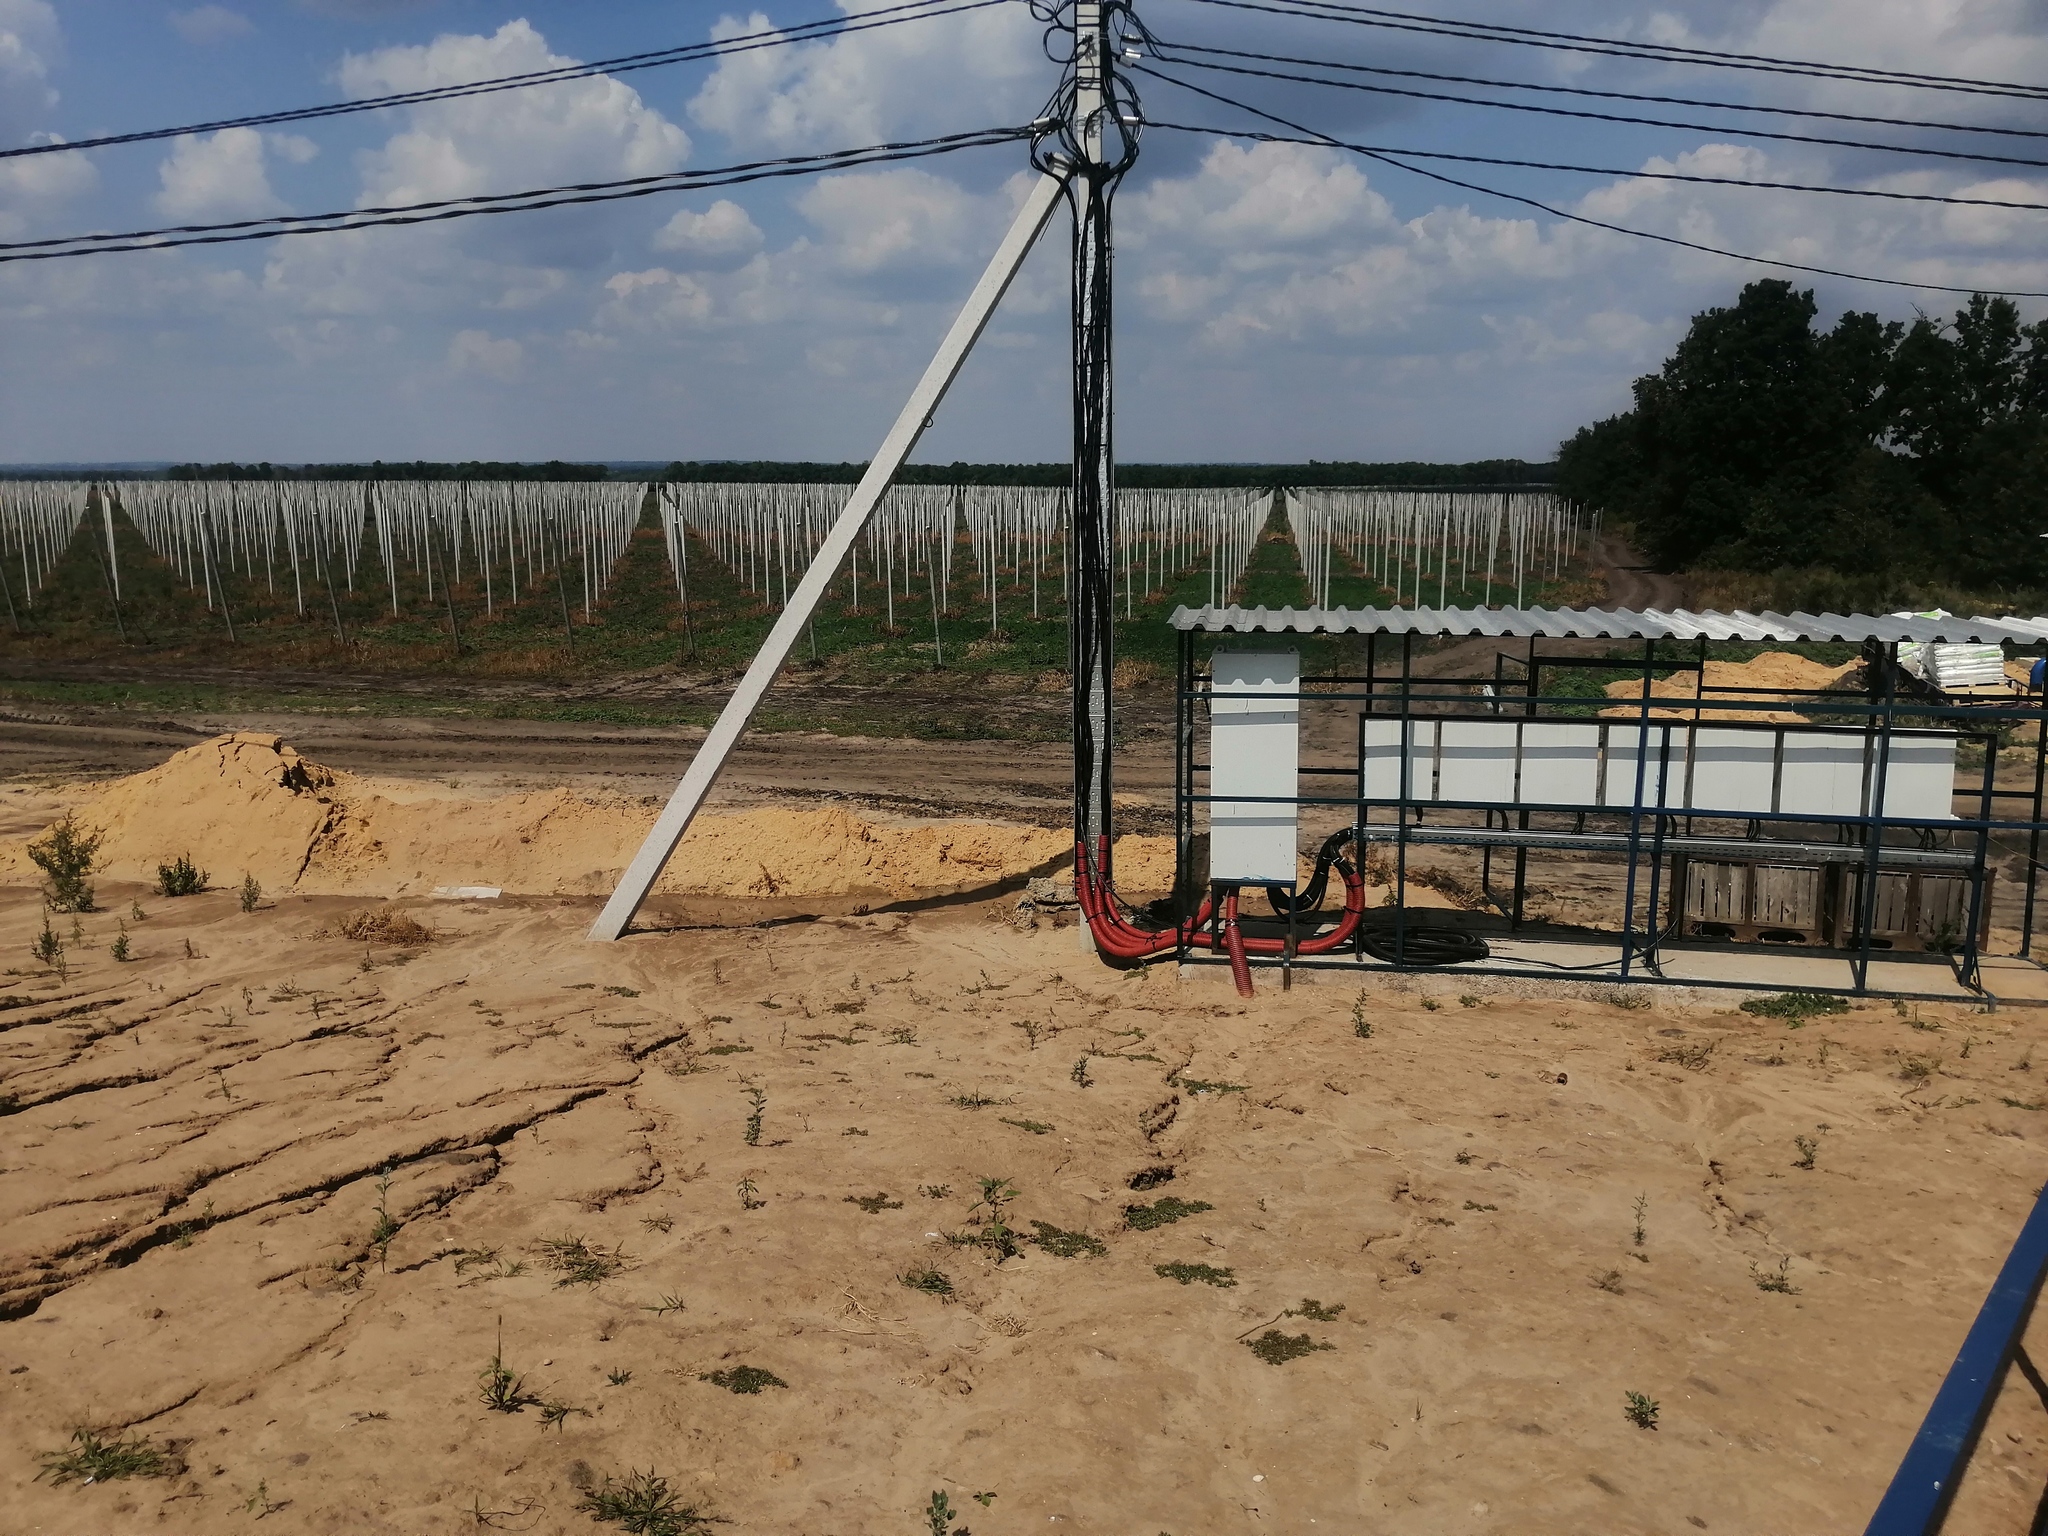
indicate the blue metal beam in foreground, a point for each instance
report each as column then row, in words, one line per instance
column 1918, row 1499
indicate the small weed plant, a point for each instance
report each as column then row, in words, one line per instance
column 1277, row 1348
column 502, row 1390
column 876, row 1203
column 759, row 1100
column 49, row 949
column 994, row 1235
column 1639, row 1410
column 92, row 1457
column 1188, row 1274
column 939, row 1516
column 1197, row 1086
column 1361, row 1026
column 1795, row 1008
column 1062, row 1244
column 251, row 893
column 180, row 877
column 1641, row 1208
column 747, row 1380
column 119, row 948
column 554, row 1415
column 750, row 1195
column 1807, row 1147
column 1778, row 1280
column 577, row 1263
column 642, row 1504
column 1162, row 1213
column 928, row 1280
column 66, row 854
column 385, row 1226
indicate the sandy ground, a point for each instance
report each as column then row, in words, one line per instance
column 200, row 1143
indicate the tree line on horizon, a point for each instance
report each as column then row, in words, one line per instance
column 1864, row 465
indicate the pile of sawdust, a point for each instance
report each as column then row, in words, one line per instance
column 249, row 804
column 1762, row 677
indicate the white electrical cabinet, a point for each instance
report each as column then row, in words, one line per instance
column 1254, row 750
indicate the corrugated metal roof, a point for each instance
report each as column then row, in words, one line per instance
column 1613, row 624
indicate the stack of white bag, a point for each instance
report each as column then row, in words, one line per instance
column 1967, row 666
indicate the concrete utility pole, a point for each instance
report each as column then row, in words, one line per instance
column 1091, row 614
column 1071, row 157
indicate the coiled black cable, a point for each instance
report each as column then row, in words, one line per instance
column 1423, row 944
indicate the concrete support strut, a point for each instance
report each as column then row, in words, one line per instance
column 711, row 757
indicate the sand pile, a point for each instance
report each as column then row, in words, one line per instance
column 1764, row 677
column 249, row 804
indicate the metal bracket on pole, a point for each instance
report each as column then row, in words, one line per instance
column 916, row 415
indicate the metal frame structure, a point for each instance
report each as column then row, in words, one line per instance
column 1650, row 830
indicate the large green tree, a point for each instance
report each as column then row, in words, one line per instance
column 1871, row 448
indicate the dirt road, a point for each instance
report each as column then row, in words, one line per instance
column 1026, row 779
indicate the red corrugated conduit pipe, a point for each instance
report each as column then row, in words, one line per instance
column 1117, row 935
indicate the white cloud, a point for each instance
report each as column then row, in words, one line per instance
column 210, row 24
column 495, row 357
column 29, row 44
column 867, row 87
column 291, row 147
column 581, row 130
column 220, row 176
column 899, row 219
column 722, row 235
column 656, row 296
column 36, row 186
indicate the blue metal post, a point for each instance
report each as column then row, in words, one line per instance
column 1918, row 1499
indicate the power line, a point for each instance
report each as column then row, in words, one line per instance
column 504, row 202
column 1601, row 170
column 1370, row 153
column 1658, row 53
column 1581, row 90
column 835, row 26
column 1614, row 117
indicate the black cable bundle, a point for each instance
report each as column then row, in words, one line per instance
column 1423, row 944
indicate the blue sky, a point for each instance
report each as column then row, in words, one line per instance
column 1274, row 303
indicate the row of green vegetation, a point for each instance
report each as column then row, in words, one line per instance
column 1869, row 466
column 1492, row 473
column 265, row 625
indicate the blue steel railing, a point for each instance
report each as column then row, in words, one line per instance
column 1917, row 1502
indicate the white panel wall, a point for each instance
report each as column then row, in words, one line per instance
column 1382, row 749
column 1476, row 760
column 1820, row 774
column 1713, row 770
column 1254, row 749
column 1732, row 771
column 1560, row 763
column 1618, row 787
column 1920, row 779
